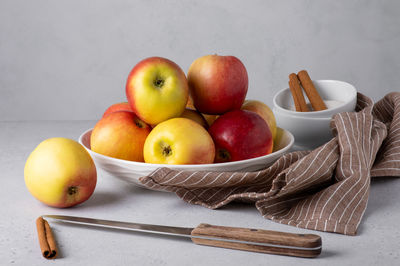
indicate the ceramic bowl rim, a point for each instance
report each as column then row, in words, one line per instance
column 329, row 111
column 291, row 116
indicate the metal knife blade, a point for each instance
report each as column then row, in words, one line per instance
column 145, row 228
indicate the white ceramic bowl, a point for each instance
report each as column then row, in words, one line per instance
column 339, row 96
column 131, row 171
column 309, row 132
column 312, row 129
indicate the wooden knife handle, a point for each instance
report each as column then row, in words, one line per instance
column 265, row 241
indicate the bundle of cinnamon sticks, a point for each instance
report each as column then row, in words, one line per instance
column 302, row 79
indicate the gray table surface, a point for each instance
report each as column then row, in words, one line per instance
column 377, row 242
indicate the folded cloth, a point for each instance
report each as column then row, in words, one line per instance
column 325, row 189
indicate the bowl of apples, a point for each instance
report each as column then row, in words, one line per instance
column 160, row 125
column 131, row 171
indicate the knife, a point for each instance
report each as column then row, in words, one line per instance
column 256, row 240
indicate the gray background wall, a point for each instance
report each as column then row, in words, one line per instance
column 69, row 60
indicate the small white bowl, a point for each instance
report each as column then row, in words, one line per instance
column 131, row 171
column 339, row 96
column 309, row 132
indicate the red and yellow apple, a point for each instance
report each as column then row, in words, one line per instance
column 218, row 84
column 179, row 141
column 190, row 103
column 157, row 90
column 120, row 135
column 209, row 118
column 195, row 116
column 240, row 135
column 60, row 173
column 124, row 106
column 264, row 111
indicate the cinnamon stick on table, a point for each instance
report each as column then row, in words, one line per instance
column 46, row 239
column 315, row 99
column 298, row 97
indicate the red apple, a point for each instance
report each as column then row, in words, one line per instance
column 124, row 106
column 120, row 135
column 264, row 111
column 240, row 135
column 218, row 84
column 157, row 90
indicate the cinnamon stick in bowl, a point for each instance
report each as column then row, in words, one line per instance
column 315, row 99
column 298, row 97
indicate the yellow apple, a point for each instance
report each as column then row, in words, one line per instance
column 60, row 173
column 179, row 141
column 262, row 110
column 195, row 116
column 157, row 90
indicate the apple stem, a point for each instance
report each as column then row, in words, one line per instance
column 72, row 190
column 138, row 123
column 224, row 155
column 159, row 82
column 167, row 151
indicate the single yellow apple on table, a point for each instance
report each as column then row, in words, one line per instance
column 60, row 173
column 262, row 110
column 120, row 135
column 179, row 141
column 157, row 90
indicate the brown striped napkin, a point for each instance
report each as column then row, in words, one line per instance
column 325, row 189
